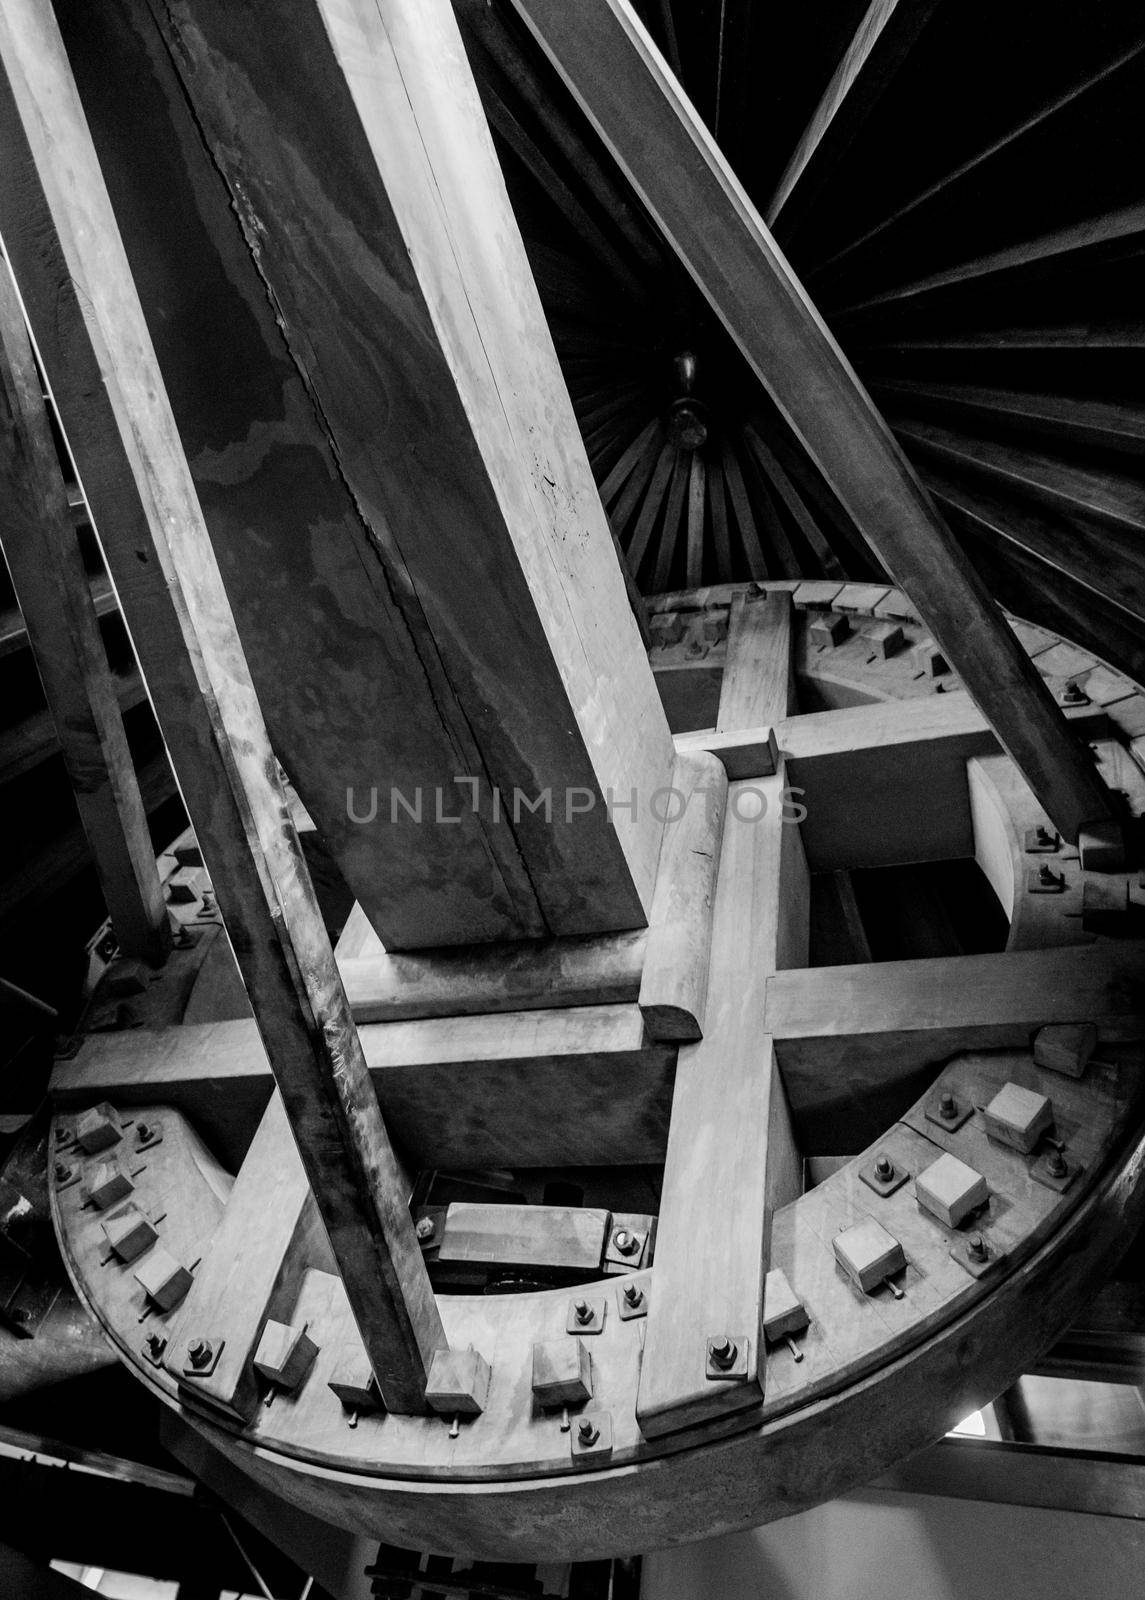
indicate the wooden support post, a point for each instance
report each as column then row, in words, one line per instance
column 52, row 588
column 175, row 606
column 404, row 293
column 758, row 687
column 610, row 64
column 732, row 1159
column 269, row 1235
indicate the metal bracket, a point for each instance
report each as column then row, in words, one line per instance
column 963, row 1110
column 205, row 1369
column 883, row 1184
column 733, row 1364
column 1041, row 1171
column 591, row 1435
column 974, row 1265
column 1042, row 841
column 588, row 1320
column 630, row 1308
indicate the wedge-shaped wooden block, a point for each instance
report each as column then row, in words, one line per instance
column 562, row 1373
column 885, row 638
column 1101, row 847
column 828, row 629
column 354, row 1383
column 929, row 659
column 129, row 1233
column 285, row 1354
column 1018, row 1117
column 163, row 1279
column 98, row 1129
column 1065, row 1047
column 950, row 1190
column 108, row 1185
column 783, row 1311
column 1105, row 904
column 868, row 1253
column 458, row 1383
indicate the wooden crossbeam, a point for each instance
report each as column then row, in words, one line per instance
column 54, row 593
column 758, row 685
column 575, row 1087
column 403, row 291
column 731, row 1158
column 880, row 45
column 59, row 229
column 611, row 65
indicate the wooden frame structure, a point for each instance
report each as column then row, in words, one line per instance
column 706, row 1041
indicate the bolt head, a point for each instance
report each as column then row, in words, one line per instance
column 143, row 1131
column 424, row 1228
column 884, row 1168
column 1056, row 1164
column 582, row 1311
column 627, row 1243
column 587, row 1432
column 722, row 1350
column 63, row 1172
column 633, row 1293
column 199, row 1352
column 156, row 1343
column 948, row 1105
column 976, row 1247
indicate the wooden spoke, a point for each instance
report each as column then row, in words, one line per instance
column 1109, row 228
column 653, row 500
column 674, row 503
column 1074, row 419
column 880, row 45
column 718, row 515
column 655, row 135
column 804, row 520
column 695, row 548
column 745, row 517
column 629, row 461
column 47, row 569
column 1027, row 125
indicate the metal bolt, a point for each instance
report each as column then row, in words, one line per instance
column 424, row 1228
column 947, row 1105
column 1043, row 834
column 884, row 1169
column 199, row 1352
column 588, row 1433
column 976, row 1247
column 582, row 1311
column 1047, row 874
column 143, row 1131
column 627, row 1243
column 156, row 1344
column 1056, row 1164
column 1074, row 694
column 633, row 1293
column 63, row 1172
column 722, row 1351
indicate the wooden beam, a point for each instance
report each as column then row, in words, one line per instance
column 159, row 553
column 54, row 593
column 423, row 340
column 269, row 1235
column 576, row 1087
column 880, row 45
column 758, row 687
column 656, row 136
column 731, row 1157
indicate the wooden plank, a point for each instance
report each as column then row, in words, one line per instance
column 579, row 1087
column 880, row 45
column 656, row 136
column 176, row 608
column 269, row 1235
column 52, row 587
column 674, row 982
column 528, row 610
column 730, row 1156
column 758, row 686
column 743, row 752
column 857, row 1042
column 868, row 776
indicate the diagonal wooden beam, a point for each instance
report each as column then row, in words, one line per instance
column 54, row 594
column 629, row 94
column 404, row 294
column 58, row 226
column 881, row 44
